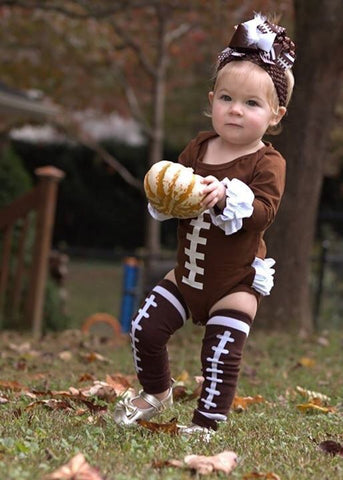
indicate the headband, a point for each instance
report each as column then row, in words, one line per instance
column 266, row 45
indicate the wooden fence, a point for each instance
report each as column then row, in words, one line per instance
column 42, row 201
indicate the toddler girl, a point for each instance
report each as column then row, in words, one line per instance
column 221, row 269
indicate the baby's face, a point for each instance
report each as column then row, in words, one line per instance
column 242, row 104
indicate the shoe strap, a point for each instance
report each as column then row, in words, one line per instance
column 152, row 400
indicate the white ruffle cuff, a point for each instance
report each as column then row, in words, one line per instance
column 264, row 276
column 158, row 215
column 239, row 199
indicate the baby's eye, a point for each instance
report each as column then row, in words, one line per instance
column 226, row 98
column 252, row 103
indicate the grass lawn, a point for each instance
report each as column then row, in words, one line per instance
column 273, row 437
column 93, row 286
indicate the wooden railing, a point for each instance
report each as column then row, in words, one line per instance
column 42, row 201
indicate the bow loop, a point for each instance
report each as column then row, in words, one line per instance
column 258, row 36
column 251, row 36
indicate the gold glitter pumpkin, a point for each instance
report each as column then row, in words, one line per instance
column 174, row 190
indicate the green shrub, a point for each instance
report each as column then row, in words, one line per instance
column 14, row 179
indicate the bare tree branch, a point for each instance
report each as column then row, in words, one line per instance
column 178, row 32
column 136, row 110
column 71, row 128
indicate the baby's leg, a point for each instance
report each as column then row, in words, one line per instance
column 225, row 335
column 162, row 313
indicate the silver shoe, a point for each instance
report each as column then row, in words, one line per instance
column 202, row 433
column 126, row 413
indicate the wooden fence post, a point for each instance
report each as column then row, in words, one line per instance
column 49, row 177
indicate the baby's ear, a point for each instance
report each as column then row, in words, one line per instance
column 210, row 97
column 278, row 116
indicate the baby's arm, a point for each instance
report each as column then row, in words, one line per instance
column 252, row 206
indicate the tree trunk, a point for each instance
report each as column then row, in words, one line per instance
column 304, row 143
column 153, row 228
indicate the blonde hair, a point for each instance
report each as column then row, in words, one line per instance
column 272, row 97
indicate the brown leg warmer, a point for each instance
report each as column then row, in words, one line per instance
column 162, row 313
column 221, row 354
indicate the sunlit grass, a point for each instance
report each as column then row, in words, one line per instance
column 93, row 286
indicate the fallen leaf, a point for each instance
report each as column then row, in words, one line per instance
column 222, row 462
column 323, row 341
column 311, row 407
column 307, row 362
column 169, row 427
column 86, row 377
column 66, row 356
column 332, row 447
column 14, row 386
column 94, row 356
column 119, row 382
column 314, row 397
column 241, row 403
column 101, row 390
column 263, row 476
column 93, row 407
column 199, row 379
column 3, row 400
column 181, row 393
column 168, row 463
column 51, row 403
column 76, row 469
column 182, row 378
column 22, row 348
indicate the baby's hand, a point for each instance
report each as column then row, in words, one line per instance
column 214, row 192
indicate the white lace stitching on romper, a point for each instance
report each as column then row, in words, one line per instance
column 195, row 239
column 143, row 313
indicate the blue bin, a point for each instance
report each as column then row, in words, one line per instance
column 130, row 294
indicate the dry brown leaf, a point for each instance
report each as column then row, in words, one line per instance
column 241, row 403
column 169, row 427
column 263, row 476
column 22, row 348
column 313, row 397
column 307, row 362
column 66, row 355
column 222, row 462
column 119, row 382
column 168, row 463
column 332, row 447
column 181, row 393
column 312, row 407
column 14, row 386
column 101, row 390
column 182, row 378
column 323, row 341
column 93, row 357
column 86, row 377
column 76, row 469
column 51, row 403
column 3, row 400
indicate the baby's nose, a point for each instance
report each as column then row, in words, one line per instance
column 236, row 108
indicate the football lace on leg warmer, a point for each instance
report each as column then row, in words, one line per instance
column 225, row 335
column 161, row 314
